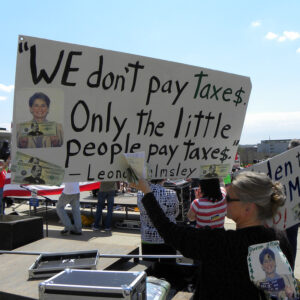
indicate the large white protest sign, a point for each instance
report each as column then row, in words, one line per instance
column 284, row 168
column 105, row 103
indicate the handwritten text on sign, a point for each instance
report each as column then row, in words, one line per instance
column 285, row 168
column 182, row 116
